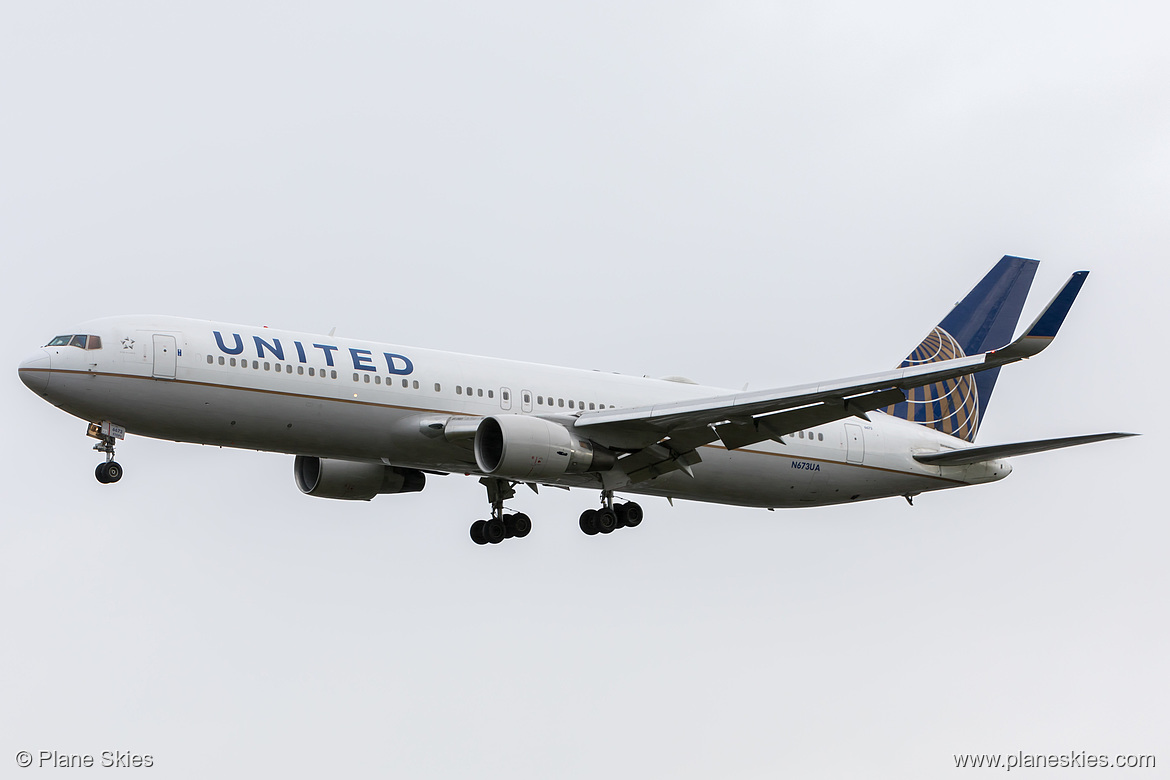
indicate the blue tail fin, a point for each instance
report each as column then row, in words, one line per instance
column 984, row 320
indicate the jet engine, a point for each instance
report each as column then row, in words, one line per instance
column 331, row 478
column 525, row 448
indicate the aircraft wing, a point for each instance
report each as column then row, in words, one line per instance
column 664, row 437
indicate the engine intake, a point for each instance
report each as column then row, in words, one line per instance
column 532, row 448
column 346, row 479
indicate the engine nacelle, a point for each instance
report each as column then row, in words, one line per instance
column 531, row 448
column 330, row 478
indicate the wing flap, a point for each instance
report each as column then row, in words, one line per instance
column 772, row 426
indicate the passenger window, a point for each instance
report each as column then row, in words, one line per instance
column 505, row 394
column 415, row 384
column 540, row 399
column 233, row 362
column 591, row 406
column 438, row 389
column 300, row 370
column 490, row 394
column 267, row 366
column 332, row 373
column 355, row 376
column 561, row 402
column 366, row 377
column 311, row 371
column 404, row 383
column 278, row 368
column 820, row 437
column 479, row 392
column 255, row 365
column 527, row 398
column 210, row 359
column 221, row 360
column 458, row 389
column 570, row 403
column 377, row 380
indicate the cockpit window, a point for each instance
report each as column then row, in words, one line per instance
column 77, row 340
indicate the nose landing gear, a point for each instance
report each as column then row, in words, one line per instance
column 107, row 433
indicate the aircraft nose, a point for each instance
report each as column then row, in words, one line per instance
column 34, row 371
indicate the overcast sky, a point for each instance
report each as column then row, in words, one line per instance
column 736, row 193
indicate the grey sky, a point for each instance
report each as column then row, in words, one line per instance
column 738, row 194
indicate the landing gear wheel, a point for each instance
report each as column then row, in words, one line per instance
column 494, row 531
column 632, row 514
column 620, row 511
column 606, row 520
column 588, row 521
column 108, row 472
column 518, row 525
column 477, row 532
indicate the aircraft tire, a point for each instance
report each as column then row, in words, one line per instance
column 494, row 531
column 477, row 534
column 606, row 520
column 633, row 514
column 113, row 471
column 100, row 473
column 588, row 522
column 521, row 525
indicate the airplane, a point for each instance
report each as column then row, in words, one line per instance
column 364, row 419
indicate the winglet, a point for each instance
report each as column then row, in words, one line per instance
column 1044, row 328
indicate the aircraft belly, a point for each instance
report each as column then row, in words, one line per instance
column 233, row 417
column 765, row 479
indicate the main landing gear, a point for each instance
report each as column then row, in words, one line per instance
column 110, row 471
column 610, row 517
column 501, row 526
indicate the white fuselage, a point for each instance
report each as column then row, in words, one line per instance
column 279, row 391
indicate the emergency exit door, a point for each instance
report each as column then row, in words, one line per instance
column 854, row 443
column 165, row 356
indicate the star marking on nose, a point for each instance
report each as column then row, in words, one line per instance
column 127, row 343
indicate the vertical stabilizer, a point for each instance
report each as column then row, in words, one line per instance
column 984, row 320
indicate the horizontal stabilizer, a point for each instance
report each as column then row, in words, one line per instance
column 980, row 454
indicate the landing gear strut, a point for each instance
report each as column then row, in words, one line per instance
column 501, row 526
column 610, row 517
column 110, row 471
